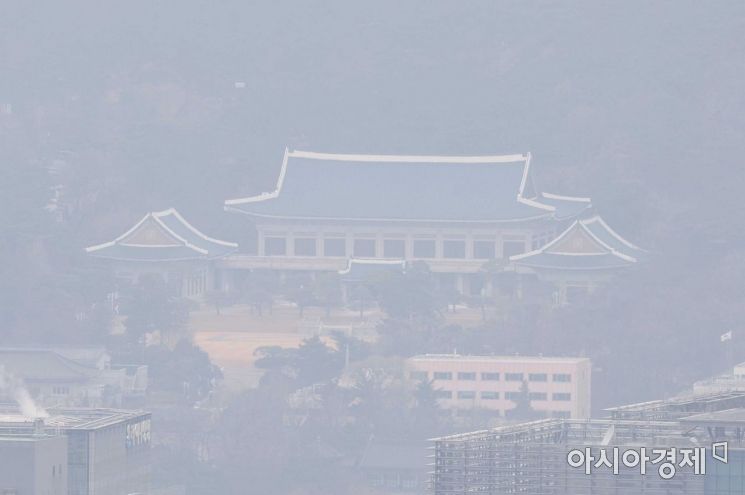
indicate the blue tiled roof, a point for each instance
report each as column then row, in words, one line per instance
column 605, row 234
column 588, row 244
column 163, row 236
column 385, row 187
column 566, row 206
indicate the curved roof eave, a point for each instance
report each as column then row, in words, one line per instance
column 363, row 219
column 159, row 218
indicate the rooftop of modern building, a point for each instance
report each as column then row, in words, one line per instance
column 70, row 418
column 492, row 359
column 679, row 407
column 680, row 420
column 576, row 431
column 730, row 417
column 467, row 189
column 26, row 438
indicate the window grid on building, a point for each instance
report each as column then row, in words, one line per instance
column 561, row 396
column 513, row 377
column 538, row 377
column 562, row 377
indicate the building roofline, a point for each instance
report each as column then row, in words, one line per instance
column 157, row 216
column 175, row 213
column 362, row 158
column 402, row 220
column 599, row 219
column 583, row 225
column 566, row 198
column 72, row 418
column 313, row 155
column 469, row 357
column 97, row 247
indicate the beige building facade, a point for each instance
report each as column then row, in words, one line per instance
column 558, row 387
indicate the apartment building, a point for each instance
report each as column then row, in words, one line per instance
column 557, row 386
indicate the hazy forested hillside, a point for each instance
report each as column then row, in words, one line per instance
column 134, row 106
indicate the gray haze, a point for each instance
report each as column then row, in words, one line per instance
column 112, row 110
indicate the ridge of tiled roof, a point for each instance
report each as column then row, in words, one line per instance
column 323, row 186
column 179, row 240
column 606, row 250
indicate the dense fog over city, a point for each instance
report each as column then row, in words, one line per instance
column 321, row 247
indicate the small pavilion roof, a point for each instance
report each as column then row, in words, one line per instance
column 329, row 186
column 588, row 244
column 162, row 236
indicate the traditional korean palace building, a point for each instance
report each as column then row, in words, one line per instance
column 458, row 214
column 165, row 243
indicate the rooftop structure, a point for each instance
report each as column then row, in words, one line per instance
column 678, row 407
column 733, row 381
column 588, row 244
column 532, row 458
column 108, row 450
column 72, row 376
column 499, row 359
column 587, row 254
column 162, row 236
column 331, row 186
column 44, row 365
column 87, row 419
column 164, row 243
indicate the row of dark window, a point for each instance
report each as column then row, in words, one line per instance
column 392, row 248
column 490, row 376
column 491, row 395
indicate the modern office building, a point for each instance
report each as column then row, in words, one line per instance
column 107, row 450
column 34, row 464
column 542, row 457
column 557, row 387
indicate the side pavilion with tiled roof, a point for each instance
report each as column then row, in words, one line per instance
column 455, row 213
column 164, row 242
column 579, row 259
